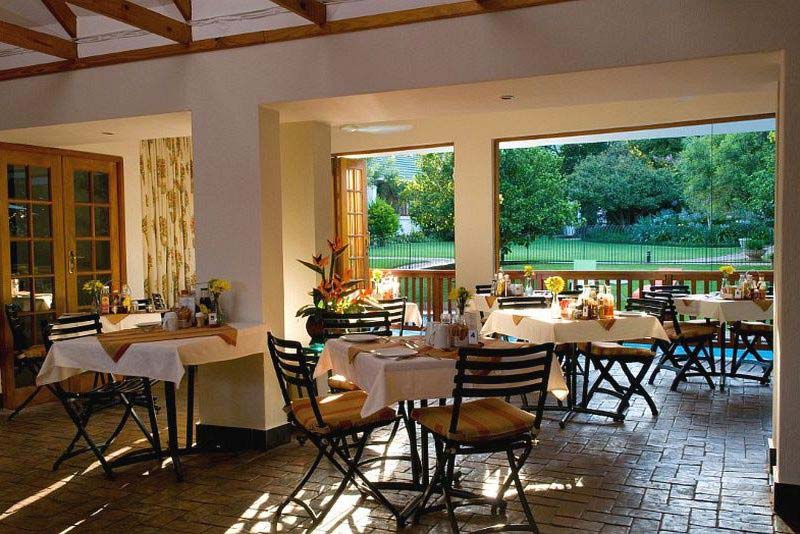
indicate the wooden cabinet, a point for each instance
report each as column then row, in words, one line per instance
column 62, row 226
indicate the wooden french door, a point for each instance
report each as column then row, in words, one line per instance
column 91, row 226
column 61, row 226
column 31, row 246
column 351, row 214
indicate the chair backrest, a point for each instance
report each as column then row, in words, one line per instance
column 293, row 366
column 571, row 293
column 338, row 324
column 71, row 327
column 675, row 289
column 21, row 340
column 396, row 309
column 483, row 372
column 158, row 301
column 521, row 302
column 481, row 289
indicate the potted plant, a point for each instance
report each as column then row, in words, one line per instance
column 334, row 294
column 754, row 249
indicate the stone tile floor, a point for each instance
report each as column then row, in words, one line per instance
column 700, row 466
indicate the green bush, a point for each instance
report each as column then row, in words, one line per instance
column 383, row 221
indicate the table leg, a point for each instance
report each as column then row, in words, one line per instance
column 151, row 413
column 172, row 428
column 411, row 429
column 190, row 408
column 722, row 349
column 424, row 443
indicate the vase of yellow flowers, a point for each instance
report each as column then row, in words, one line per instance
column 528, row 274
column 218, row 286
column 460, row 295
column 555, row 284
column 727, row 271
column 94, row 288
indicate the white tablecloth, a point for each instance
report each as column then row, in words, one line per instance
column 413, row 316
column 389, row 381
column 537, row 326
column 485, row 303
column 160, row 360
column 724, row 311
column 129, row 320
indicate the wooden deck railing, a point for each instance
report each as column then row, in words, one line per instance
column 430, row 289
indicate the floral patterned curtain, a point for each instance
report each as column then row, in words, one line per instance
column 167, row 216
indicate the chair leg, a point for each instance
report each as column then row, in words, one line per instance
column 447, row 490
column 82, row 431
column 151, row 414
column 526, row 507
column 292, row 496
column 636, row 387
column 25, row 403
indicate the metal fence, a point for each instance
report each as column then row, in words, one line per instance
column 604, row 247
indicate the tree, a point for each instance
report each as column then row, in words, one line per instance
column 384, row 175
column 622, row 185
column 729, row 174
column 575, row 153
column 533, row 194
column 430, row 196
column 382, row 220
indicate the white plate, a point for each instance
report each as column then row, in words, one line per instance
column 394, row 352
column 630, row 314
column 360, row 338
column 148, row 325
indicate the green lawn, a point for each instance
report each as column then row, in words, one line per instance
column 554, row 254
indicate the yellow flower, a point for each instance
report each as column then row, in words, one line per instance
column 727, row 269
column 528, row 271
column 218, row 285
column 554, row 284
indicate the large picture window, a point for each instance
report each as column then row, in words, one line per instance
column 681, row 197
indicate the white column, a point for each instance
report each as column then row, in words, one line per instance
column 474, row 208
column 307, row 212
column 786, row 399
column 239, row 236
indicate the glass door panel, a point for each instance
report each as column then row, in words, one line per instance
column 91, row 225
column 31, row 247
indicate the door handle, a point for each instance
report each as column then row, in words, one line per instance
column 72, row 261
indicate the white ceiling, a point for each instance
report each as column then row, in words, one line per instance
column 210, row 18
column 682, row 80
column 86, row 133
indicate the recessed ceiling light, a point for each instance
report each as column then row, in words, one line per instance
column 506, row 97
column 108, row 133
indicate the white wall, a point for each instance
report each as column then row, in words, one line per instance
column 129, row 152
column 235, row 195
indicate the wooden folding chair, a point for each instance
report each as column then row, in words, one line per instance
column 327, row 422
column 487, row 424
column 105, row 394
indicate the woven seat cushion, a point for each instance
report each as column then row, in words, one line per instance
column 479, row 420
column 36, row 351
column 615, row 350
column 341, row 411
column 340, row 383
column 691, row 331
column 753, row 327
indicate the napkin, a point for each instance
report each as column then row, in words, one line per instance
column 357, row 348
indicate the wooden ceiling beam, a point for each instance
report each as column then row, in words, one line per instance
column 311, row 10
column 40, row 42
column 64, row 15
column 139, row 17
column 185, row 7
column 464, row 8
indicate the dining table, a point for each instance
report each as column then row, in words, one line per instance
column 404, row 381
column 114, row 322
column 538, row 325
column 724, row 311
column 157, row 355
